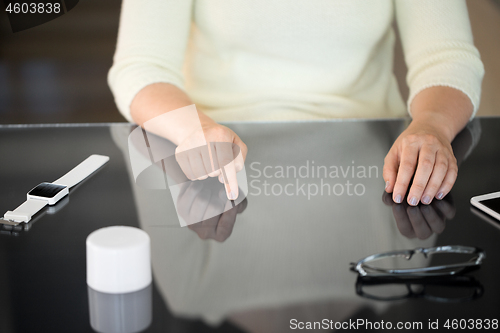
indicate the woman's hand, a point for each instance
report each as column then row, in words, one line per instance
column 213, row 151
column 202, row 151
column 422, row 152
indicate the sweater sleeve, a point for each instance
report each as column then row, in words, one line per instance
column 438, row 47
column 152, row 41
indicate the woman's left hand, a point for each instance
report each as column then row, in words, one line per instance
column 422, row 152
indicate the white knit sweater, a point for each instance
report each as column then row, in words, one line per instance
column 293, row 59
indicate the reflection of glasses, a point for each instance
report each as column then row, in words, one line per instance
column 444, row 289
column 449, row 269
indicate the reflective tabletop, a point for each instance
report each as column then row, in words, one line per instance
column 276, row 259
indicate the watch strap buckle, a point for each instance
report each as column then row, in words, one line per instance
column 5, row 221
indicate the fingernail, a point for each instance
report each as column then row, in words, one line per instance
column 386, row 184
column 232, row 195
column 398, row 198
column 413, row 201
column 440, row 195
column 426, row 200
column 221, row 179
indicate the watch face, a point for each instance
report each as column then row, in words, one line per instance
column 46, row 190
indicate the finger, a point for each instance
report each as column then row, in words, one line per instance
column 230, row 181
column 214, row 169
column 418, row 222
column 241, row 146
column 208, row 162
column 197, row 165
column 240, row 151
column 448, row 182
column 239, row 161
column 390, row 170
column 435, row 222
column 406, row 170
column 402, row 221
column 227, row 165
column 436, row 179
column 426, row 161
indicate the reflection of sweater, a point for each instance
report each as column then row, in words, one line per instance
column 284, row 250
column 272, row 60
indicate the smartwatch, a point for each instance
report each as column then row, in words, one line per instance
column 50, row 193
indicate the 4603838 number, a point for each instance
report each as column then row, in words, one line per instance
column 33, row 8
column 476, row 324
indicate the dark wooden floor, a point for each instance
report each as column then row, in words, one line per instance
column 56, row 72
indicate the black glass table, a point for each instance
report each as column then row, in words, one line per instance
column 277, row 260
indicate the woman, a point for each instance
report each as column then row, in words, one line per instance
column 298, row 60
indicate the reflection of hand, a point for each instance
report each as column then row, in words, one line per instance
column 422, row 152
column 200, row 161
column 423, row 220
column 207, row 211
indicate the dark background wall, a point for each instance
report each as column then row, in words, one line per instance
column 56, row 72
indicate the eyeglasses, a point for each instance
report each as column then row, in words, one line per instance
column 448, row 269
column 442, row 289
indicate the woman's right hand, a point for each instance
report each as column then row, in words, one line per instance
column 212, row 149
column 198, row 160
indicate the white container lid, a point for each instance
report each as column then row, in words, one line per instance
column 118, row 260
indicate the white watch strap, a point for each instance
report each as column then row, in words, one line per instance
column 30, row 207
column 24, row 212
column 82, row 170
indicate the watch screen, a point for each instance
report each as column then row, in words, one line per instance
column 46, row 190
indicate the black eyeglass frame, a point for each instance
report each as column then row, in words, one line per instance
column 367, row 270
